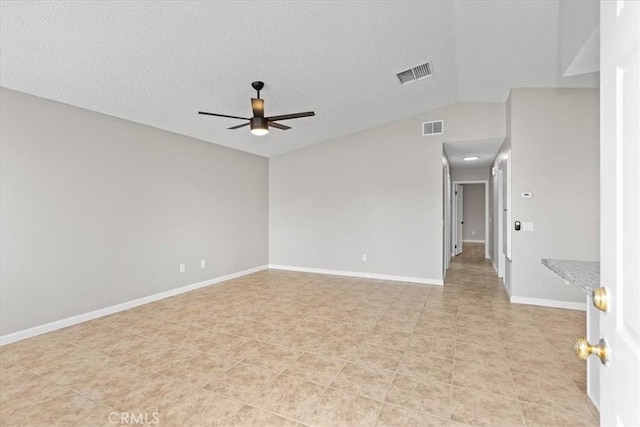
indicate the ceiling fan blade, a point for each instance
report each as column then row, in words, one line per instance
column 239, row 126
column 292, row 116
column 222, row 115
column 278, row 125
column 257, row 105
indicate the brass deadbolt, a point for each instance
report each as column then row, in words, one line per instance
column 600, row 297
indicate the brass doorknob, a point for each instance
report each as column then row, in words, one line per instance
column 600, row 298
column 584, row 350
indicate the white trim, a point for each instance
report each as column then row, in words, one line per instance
column 593, row 377
column 550, row 303
column 73, row 320
column 499, row 223
column 457, row 218
column 508, row 205
column 487, row 213
column 507, row 290
column 472, row 241
column 596, row 404
column 421, row 280
column 494, row 266
column 446, row 235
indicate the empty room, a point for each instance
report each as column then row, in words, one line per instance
column 346, row 213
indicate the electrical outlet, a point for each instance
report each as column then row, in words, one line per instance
column 203, row 263
column 183, row 268
column 364, row 257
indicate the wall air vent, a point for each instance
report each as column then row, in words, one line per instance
column 432, row 128
column 416, row 73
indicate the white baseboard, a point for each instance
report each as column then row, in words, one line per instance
column 70, row 321
column 494, row 265
column 472, row 241
column 550, row 303
column 421, row 280
column 506, row 289
column 596, row 404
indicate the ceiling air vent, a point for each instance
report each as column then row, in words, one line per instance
column 432, row 128
column 416, row 73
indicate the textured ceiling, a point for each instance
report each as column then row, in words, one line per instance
column 158, row 63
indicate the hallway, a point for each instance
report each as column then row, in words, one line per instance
column 498, row 334
column 282, row 348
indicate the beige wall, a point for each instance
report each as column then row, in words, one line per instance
column 577, row 20
column 473, row 212
column 554, row 139
column 495, row 215
column 97, row 211
column 377, row 192
column 470, row 174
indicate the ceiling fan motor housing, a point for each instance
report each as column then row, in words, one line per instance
column 258, row 123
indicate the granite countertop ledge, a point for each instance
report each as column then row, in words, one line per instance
column 584, row 275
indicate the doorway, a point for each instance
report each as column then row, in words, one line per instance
column 459, row 219
column 470, row 215
column 501, row 259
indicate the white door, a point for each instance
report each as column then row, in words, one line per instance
column 501, row 256
column 620, row 209
column 459, row 219
column 447, row 219
column 506, row 208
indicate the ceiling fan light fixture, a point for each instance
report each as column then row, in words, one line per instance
column 259, row 126
column 259, row 131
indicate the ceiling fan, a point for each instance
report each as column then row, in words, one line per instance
column 259, row 123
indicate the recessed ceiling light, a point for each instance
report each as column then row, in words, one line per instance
column 470, row 158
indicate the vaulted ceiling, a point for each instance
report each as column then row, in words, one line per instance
column 159, row 63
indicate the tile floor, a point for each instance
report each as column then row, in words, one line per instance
column 283, row 349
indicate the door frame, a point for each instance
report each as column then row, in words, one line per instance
column 487, row 237
column 456, row 221
column 498, row 219
column 506, row 218
column 446, row 224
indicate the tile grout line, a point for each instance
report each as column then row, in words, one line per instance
column 302, row 350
